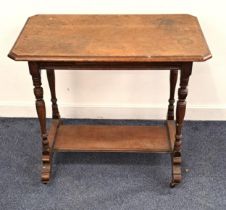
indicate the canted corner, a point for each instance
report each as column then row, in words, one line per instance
column 191, row 16
column 206, row 57
column 13, row 56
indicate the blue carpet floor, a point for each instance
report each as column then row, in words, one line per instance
column 112, row 181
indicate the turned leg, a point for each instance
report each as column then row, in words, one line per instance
column 186, row 70
column 173, row 82
column 41, row 111
column 51, row 80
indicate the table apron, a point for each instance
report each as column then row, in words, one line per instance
column 110, row 65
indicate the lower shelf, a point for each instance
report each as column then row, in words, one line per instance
column 115, row 138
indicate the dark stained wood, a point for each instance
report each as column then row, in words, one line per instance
column 53, row 132
column 180, row 113
column 109, row 138
column 51, row 81
column 171, row 128
column 111, row 65
column 173, row 82
column 41, row 111
column 141, row 38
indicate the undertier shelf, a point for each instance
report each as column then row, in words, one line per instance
column 114, row 138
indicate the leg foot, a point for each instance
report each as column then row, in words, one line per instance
column 46, row 169
column 176, row 170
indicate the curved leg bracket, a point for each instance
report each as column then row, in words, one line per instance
column 46, row 169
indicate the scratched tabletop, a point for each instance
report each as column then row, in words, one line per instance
column 151, row 38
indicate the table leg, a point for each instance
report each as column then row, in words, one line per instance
column 51, row 80
column 41, row 111
column 186, row 70
column 173, row 82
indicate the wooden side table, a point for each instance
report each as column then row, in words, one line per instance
column 157, row 42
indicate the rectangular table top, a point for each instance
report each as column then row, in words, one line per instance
column 149, row 38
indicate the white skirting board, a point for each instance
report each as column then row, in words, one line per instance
column 198, row 112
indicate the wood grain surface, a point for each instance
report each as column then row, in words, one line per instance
column 113, row 138
column 151, row 38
